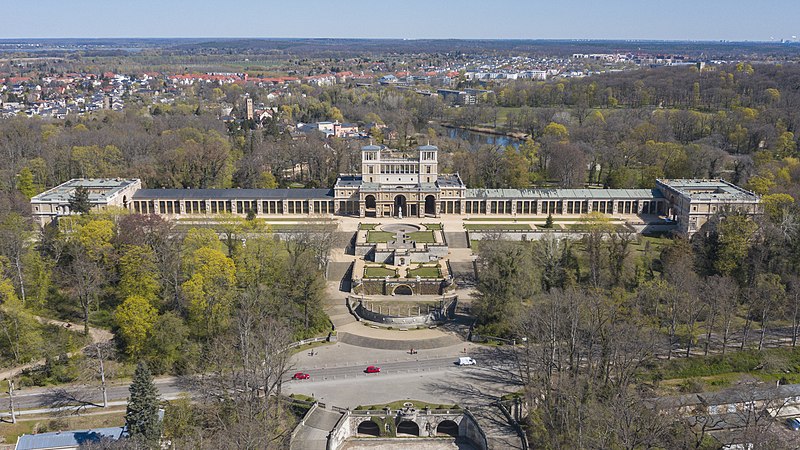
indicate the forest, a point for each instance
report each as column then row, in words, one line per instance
column 608, row 319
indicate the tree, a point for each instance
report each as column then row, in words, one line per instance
column 596, row 226
column 95, row 239
column 548, row 223
column 25, row 183
column 721, row 294
column 20, row 334
column 98, row 356
column 770, row 295
column 209, row 291
column 776, row 204
column 618, row 251
column 85, row 279
column 79, row 201
column 141, row 415
column 505, row 276
column 15, row 243
column 138, row 273
column 135, row 318
column 735, row 233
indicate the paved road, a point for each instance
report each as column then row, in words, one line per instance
column 430, row 377
column 346, row 384
column 40, row 398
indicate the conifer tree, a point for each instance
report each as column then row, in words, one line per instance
column 549, row 222
column 79, row 201
column 141, row 416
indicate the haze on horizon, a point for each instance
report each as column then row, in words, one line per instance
column 732, row 20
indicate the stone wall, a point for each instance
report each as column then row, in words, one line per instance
column 340, row 433
column 470, row 429
column 434, row 317
column 427, row 420
column 377, row 286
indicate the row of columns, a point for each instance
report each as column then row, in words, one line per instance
column 233, row 206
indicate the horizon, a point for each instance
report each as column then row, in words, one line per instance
column 625, row 20
column 267, row 38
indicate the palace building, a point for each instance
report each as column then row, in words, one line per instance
column 400, row 184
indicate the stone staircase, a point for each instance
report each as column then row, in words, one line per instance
column 338, row 276
column 312, row 434
column 397, row 344
column 339, row 314
column 500, row 435
column 463, row 272
column 457, row 239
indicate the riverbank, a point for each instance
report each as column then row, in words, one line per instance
column 486, row 130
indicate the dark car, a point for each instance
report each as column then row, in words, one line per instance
column 793, row 423
column 301, row 376
column 372, row 369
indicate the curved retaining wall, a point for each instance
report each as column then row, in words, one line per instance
column 437, row 316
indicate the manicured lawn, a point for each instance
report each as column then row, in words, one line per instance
column 586, row 227
column 497, row 227
column 374, row 237
column 422, row 236
column 433, row 226
column 425, row 272
column 367, row 226
column 378, row 272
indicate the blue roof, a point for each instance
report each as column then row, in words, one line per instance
column 61, row 439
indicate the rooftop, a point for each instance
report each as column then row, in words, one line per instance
column 100, row 189
column 67, row 439
column 232, row 194
column 555, row 194
column 449, row 181
column 698, row 189
column 352, row 181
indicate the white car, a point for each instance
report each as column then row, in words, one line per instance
column 466, row 361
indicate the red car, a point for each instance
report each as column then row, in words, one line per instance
column 301, row 376
column 372, row 369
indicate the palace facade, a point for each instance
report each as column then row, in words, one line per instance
column 395, row 183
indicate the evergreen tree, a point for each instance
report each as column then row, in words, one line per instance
column 79, row 201
column 549, row 222
column 141, row 417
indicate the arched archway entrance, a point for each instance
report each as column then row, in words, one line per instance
column 403, row 289
column 369, row 428
column 400, row 207
column 430, row 205
column 447, row 428
column 408, row 427
column 369, row 205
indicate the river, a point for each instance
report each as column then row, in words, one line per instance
column 476, row 139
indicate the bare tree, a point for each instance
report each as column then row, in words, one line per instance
column 85, row 278
column 244, row 371
column 721, row 295
column 98, row 359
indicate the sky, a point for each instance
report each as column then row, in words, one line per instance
column 733, row 20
